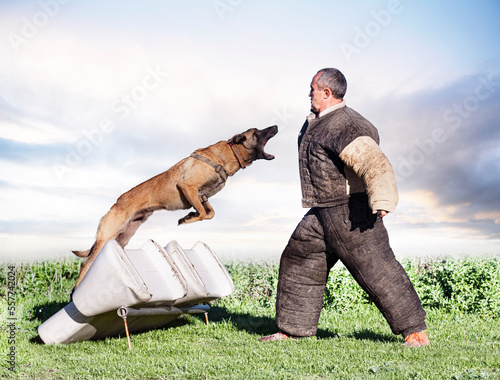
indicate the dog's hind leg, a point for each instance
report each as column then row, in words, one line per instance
column 124, row 237
column 110, row 227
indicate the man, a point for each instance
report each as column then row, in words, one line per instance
column 350, row 186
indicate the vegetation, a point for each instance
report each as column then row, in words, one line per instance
column 461, row 296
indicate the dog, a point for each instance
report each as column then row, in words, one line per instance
column 189, row 183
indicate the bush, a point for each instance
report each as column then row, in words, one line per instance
column 254, row 283
column 455, row 285
column 463, row 285
column 47, row 277
column 342, row 292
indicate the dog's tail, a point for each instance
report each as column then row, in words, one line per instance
column 84, row 253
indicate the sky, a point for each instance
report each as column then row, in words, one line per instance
column 97, row 97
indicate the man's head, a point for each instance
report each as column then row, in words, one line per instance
column 328, row 88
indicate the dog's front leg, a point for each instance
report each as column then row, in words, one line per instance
column 190, row 192
column 189, row 217
column 208, row 208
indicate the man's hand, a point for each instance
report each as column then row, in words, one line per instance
column 380, row 213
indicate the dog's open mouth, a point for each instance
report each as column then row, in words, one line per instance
column 267, row 156
column 268, row 134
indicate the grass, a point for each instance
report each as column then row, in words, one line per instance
column 462, row 298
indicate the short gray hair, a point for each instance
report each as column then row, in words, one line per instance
column 334, row 80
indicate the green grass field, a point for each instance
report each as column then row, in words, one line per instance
column 461, row 296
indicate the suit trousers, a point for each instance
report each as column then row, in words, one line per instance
column 352, row 234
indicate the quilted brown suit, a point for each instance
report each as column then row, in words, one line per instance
column 344, row 176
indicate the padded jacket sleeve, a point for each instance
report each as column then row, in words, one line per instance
column 365, row 158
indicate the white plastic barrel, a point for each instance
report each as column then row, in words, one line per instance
column 145, row 278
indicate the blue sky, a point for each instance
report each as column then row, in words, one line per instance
column 96, row 97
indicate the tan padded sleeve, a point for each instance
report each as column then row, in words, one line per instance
column 365, row 158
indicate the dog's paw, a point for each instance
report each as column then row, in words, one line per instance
column 188, row 217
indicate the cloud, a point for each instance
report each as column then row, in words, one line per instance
column 87, row 113
column 443, row 144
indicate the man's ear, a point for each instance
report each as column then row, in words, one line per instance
column 326, row 93
column 239, row 139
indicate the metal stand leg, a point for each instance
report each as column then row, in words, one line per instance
column 122, row 312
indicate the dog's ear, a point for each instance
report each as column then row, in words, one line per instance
column 238, row 139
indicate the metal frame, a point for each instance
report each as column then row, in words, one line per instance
column 124, row 312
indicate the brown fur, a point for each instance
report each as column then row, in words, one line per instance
column 180, row 187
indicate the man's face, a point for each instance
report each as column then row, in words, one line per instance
column 317, row 96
